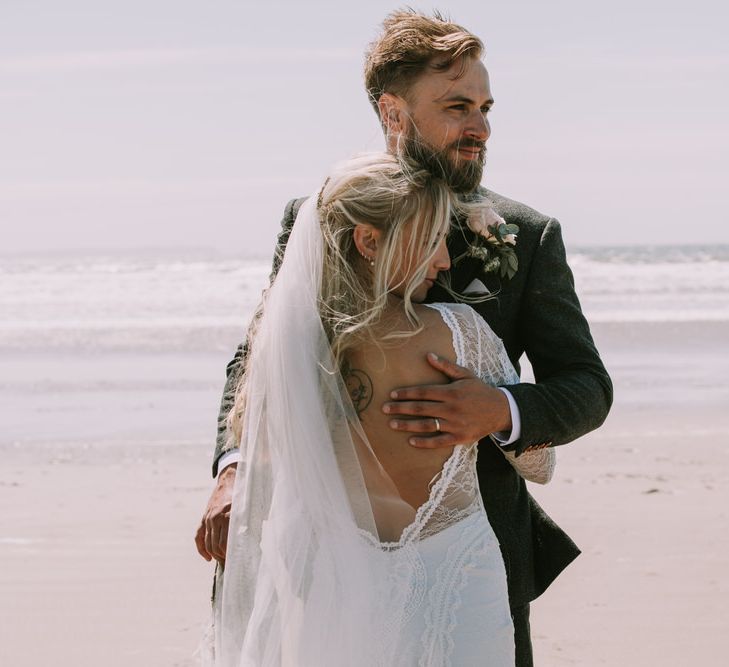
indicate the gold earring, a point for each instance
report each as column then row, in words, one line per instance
column 368, row 259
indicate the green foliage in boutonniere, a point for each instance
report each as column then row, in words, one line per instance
column 494, row 243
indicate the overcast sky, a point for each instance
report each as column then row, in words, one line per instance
column 181, row 123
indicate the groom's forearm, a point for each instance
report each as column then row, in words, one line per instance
column 233, row 371
column 561, row 409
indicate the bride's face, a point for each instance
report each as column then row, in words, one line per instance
column 440, row 261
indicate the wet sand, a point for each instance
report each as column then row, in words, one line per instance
column 102, row 486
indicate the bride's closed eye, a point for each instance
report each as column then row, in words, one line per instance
column 437, row 241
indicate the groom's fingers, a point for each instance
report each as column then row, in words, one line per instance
column 212, row 535
column 423, row 392
column 209, row 536
column 424, row 434
column 428, row 433
column 471, row 408
column 413, row 408
column 448, row 368
column 425, row 425
column 453, row 392
column 200, row 541
column 435, row 441
column 216, row 536
column 223, row 537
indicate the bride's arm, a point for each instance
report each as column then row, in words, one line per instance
column 534, row 466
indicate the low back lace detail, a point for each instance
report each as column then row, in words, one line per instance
column 446, row 568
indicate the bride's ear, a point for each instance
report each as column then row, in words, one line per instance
column 366, row 240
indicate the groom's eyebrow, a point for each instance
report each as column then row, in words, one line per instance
column 467, row 100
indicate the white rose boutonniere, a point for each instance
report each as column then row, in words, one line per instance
column 494, row 244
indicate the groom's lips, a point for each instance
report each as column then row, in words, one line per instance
column 469, row 153
column 469, row 149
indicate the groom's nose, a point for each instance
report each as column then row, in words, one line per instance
column 478, row 126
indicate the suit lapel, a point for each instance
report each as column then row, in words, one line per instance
column 464, row 269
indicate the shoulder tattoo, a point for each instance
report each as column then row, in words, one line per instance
column 359, row 387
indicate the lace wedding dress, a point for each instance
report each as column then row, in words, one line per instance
column 327, row 566
column 447, row 565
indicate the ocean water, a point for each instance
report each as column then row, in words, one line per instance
column 203, row 304
column 653, row 284
column 127, row 304
column 99, row 351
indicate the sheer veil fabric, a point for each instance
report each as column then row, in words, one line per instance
column 326, row 564
column 300, row 585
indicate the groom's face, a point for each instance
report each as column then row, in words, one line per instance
column 446, row 125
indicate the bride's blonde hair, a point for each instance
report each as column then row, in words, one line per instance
column 412, row 210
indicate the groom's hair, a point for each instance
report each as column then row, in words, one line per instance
column 410, row 44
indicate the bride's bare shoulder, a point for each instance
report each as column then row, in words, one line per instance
column 403, row 355
column 436, row 336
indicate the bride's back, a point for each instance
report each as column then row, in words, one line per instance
column 374, row 371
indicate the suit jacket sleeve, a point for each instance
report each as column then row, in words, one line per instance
column 573, row 392
column 237, row 364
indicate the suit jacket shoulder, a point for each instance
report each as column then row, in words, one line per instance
column 532, row 223
column 512, row 209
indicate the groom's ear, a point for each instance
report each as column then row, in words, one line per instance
column 392, row 113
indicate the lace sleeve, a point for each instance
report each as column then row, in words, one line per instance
column 480, row 350
column 535, row 466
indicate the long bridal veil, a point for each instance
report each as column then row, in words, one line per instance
column 300, row 585
column 320, row 556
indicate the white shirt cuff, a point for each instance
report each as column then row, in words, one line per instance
column 233, row 456
column 504, row 438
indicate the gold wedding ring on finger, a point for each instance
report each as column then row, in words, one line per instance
column 437, row 424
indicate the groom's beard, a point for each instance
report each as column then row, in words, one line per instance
column 462, row 177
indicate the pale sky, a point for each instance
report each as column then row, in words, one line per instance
column 190, row 123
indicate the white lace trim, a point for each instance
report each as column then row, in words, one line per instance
column 454, row 493
column 480, row 350
column 458, row 474
column 444, row 597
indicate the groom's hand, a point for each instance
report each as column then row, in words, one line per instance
column 467, row 409
column 211, row 538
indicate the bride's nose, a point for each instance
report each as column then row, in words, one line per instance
column 442, row 258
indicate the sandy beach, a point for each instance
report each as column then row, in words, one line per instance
column 102, row 486
column 147, row 154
